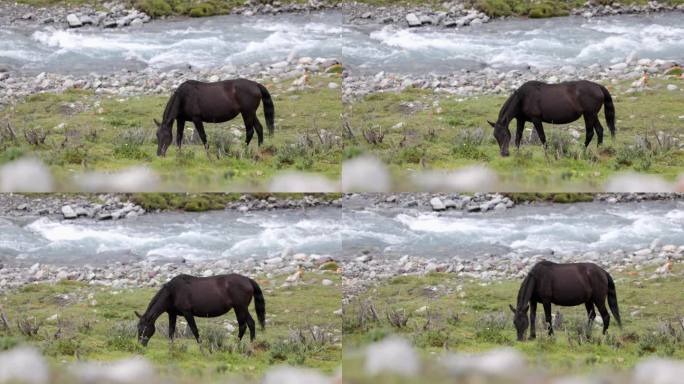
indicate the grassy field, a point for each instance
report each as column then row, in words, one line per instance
column 98, row 323
column 425, row 130
column 472, row 316
column 79, row 131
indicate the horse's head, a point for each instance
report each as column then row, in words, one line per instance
column 145, row 329
column 164, row 137
column 502, row 135
column 520, row 321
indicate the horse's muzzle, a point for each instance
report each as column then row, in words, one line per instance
column 505, row 153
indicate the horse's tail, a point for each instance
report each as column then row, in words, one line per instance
column 609, row 110
column 259, row 304
column 612, row 300
column 268, row 108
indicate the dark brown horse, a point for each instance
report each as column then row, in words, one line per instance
column 556, row 104
column 213, row 296
column 566, row 285
column 217, row 102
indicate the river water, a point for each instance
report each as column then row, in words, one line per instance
column 527, row 229
column 342, row 233
column 239, row 40
column 192, row 236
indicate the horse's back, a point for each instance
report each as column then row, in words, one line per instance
column 572, row 283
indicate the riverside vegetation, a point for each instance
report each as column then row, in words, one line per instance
column 415, row 129
column 70, row 321
column 438, row 313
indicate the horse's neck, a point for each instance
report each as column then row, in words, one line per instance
column 508, row 109
column 157, row 306
column 525, row 293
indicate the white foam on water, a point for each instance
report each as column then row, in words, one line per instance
column 60, row 232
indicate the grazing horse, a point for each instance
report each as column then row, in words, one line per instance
column 214, row 103
column 560, row 103
column 566, row 285
column 213, row 296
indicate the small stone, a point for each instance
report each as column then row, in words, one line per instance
column 68, row 212
column 437, row 204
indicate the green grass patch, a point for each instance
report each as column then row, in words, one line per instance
column 111, row 133
column 98, row 323
column 442, row 312
column 447, row 132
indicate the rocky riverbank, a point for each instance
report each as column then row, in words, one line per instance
column 483, row 202
column 153, row 273
column 458, row 14
column 16, row 85
column 113, row 206
column 119, row 15
column 502, row 81
column 366, row 270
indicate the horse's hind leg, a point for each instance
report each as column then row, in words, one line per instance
column 249, row 125
column 252, row 326
column 599, row 131
column 601, row 305
column 533, row 319
column 589, row 128
column 259, row 130
column 241, row 315
column 591, row 314
column 547, row 315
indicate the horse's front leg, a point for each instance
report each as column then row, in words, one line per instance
column 193, row 327
column 180, row 127
column 172, row 325
column 519, row 132
column 547, row 315
column 533, row 319
column 203, row 136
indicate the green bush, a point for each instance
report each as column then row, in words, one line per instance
column 155, row 8
column 495, row 8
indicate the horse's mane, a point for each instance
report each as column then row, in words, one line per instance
column 525, row 292
column 505, row 108
column 157, row 296
column 171, row 109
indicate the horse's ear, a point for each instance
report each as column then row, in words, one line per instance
column 511, row 307
column 493, row 126
column 137, row 314
column 157, row 123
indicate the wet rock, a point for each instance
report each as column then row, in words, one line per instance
column 68, row 212
column 73, row 21
column 437, row 204
column 383, row 357
column 413, row 20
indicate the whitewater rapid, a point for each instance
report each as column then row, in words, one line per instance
column 241, row 41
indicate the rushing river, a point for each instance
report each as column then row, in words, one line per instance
column 571, row 228
column 531, row 229
column 192, row 236
column 239, row 40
